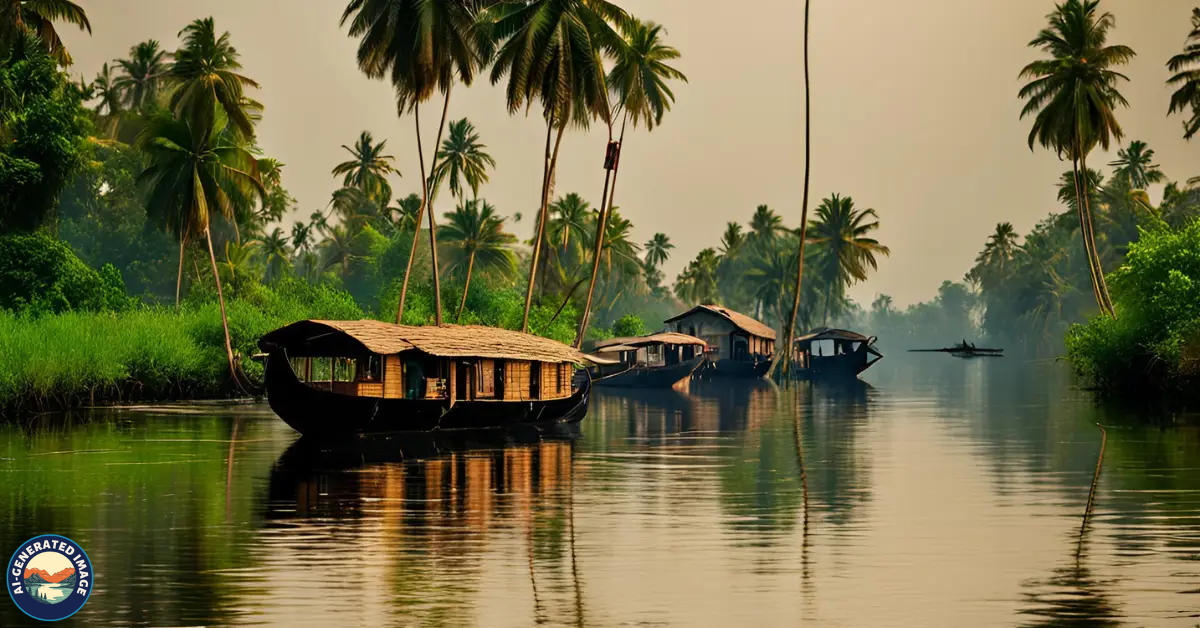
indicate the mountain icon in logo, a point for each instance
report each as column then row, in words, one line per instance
column 47, row 587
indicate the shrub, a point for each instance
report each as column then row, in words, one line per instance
column 629, row 325
column 1151, row 343
column 42, row 274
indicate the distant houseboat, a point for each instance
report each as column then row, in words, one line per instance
column 827, row 353
column 654, row 361
column 738, row 346
column 357, row 377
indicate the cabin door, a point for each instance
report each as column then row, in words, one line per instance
column 741, row 350
column 535, row 380
column 464, row 381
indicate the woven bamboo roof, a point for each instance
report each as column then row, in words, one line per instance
column 615, row 349
column 826, row 333
column 664, row 338
column 447, row 341
column 739, row 320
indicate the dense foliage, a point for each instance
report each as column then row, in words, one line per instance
column 1155, row 342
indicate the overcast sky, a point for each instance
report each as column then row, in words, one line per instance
column 915, row 114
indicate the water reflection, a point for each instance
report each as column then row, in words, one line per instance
column 943, row 493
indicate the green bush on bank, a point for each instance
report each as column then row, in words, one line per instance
column 1155, row 341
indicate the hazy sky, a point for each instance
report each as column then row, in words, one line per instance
column 914, row 113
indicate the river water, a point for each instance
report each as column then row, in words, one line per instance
column 942, row 493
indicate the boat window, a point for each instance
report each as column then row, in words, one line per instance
column 369, row 369
column 535, row 380
column 343, row 369
column 321, row 369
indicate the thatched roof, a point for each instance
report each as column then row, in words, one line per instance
column 615, row 349
column 739, row 320
column 664, row 338
column 826, row 333
column 447, row 341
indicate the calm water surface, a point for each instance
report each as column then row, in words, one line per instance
column 945, row 493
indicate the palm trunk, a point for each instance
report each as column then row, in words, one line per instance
column 179, row 277
column 785, row 352
column 1083, row 227
column 420, row 214
column 466, row 288
column 541, row 231
column 212, row 257
column 1097, row 268
column 601, row 226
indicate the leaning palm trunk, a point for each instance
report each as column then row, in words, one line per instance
column 785, row 352
column 1083, row 230
column 541, row 231
column 601, row 230
column 466, row 287
column 412, row 253
column 1097, row 268
column 179, row 277
column 212, row 257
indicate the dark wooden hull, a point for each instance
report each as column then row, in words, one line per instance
column 652, row 376
column 315, row 412
column 837, row 368
column 733, row 368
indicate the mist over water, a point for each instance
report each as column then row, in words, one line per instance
column 941, row 493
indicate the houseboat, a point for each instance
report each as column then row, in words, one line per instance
column 654, row 361
column 737, row 345
column 833, row 354
column 359, row 377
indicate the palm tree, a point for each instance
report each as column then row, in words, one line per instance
column 462, row 160
column 1073, row 95
column 277, row 253
column 338, row 249
column 142, row 76
column 476, row 235
column 241, row 261
column 658, row 250
column 193, row 174
column 1134, row 164
column 994, row 261
column 552, row 53
column 439, row 41
column 1186, row 66
column 105, row 89
column 206, row 76
column 698, row 281
column 19, row 17
column 765, row 225
column 790, row 332
column 569, row 212
column 369, row 168
column 301, row 237
column 407, row 213
column 638, row 82
column 846, row 251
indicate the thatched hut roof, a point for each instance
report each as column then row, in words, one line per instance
column 664, row 338
column 826, row 333
column 447, row 341
column 739, row 320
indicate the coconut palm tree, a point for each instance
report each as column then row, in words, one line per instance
column 194, row 174
column 206, row 78
column 658, row 250
column 1072, row 96
column 301, row 237
column 790, row 331
column 996, row 259
column 338, row 249
column 551, row 53
column 769, row 278
column 638, row 83
column 241, row 262
column 1186, row 66
column 109, row 96
column 475, row 235
column 277, row 253
column 569, row 214
column 19, row 17
column 1134, row 164
column 846, row 252
column 369, row 168
column 143, row 74
column 732, row 240
column 462, row 160
column 698, row 281
column 765, row 225
column 407, row 213
column 438, row 43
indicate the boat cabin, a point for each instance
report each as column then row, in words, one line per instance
column 453, row 362
column 825, row 351
column 653, row 350
column 729, row 335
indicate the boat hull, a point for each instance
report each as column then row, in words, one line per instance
column 651, row 377
column 732, row 368
column 836, row 368
column 315, row 412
